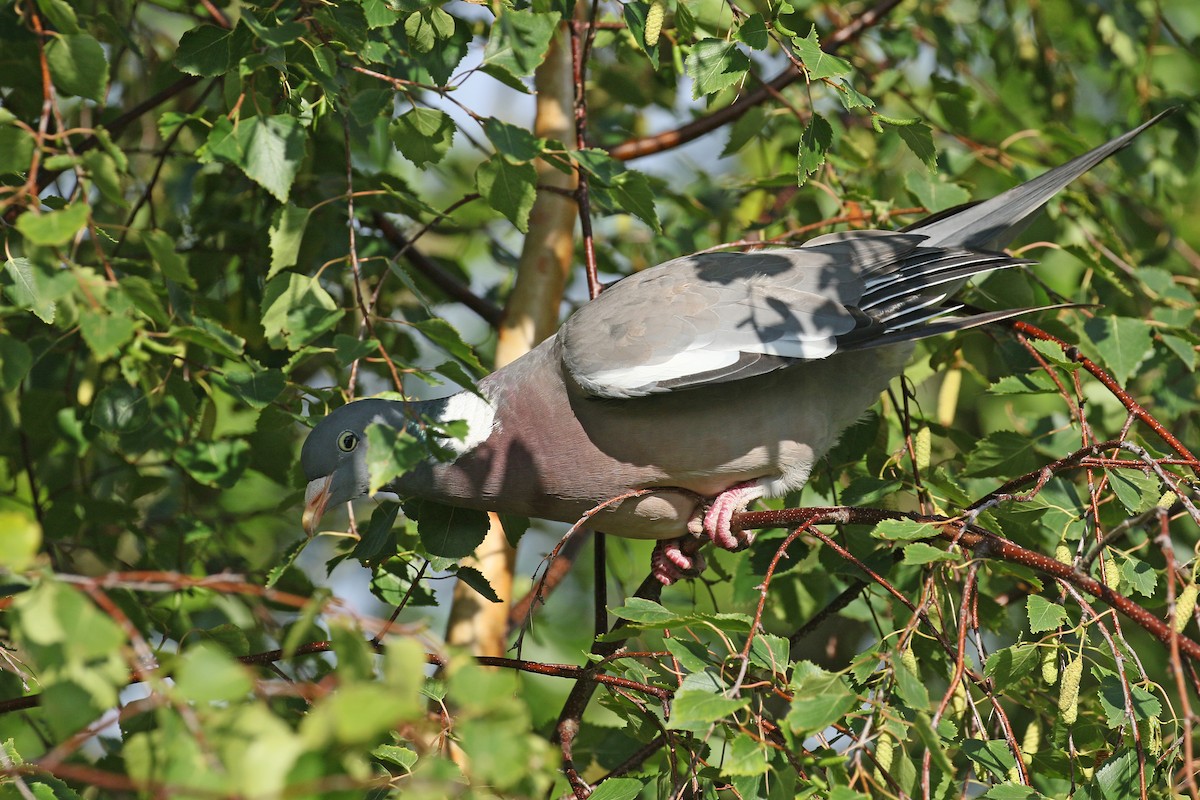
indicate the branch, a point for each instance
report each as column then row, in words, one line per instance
column 985, row 544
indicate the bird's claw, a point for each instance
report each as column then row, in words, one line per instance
column 673, row 559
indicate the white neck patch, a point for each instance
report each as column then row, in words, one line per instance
column 476, row 412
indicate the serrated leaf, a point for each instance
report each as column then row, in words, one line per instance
column 935, row 193
column 426, row 27
column 1139, row 575
column 1183, row 349
column 217, row 463
column 636, row 14
column 447, row 531
column 819, row 699
column 1118, row 778
column 994, row 755
column 617, row 789
column 271, row 150
column 257, row 388
column 696, row 710
column 296, row 310
column 817, row 62
column 1137, row 490
column 476, row 580
column 105, row 333
column 508, row 188
column 814, row 144
column 1004, row 454
column 1027, row 383
column 920, row 553
column 1009, row 665
column 53, row 228
column 287, row 232
column 1013, row 791
column 919, row 138
column 516, row 144
column 903, row 530
column 1043, row 614
column 1112, row 698
column 23, row 285
column 173, row 265
column 390, row 453
column 205, row 51
column 1122, row 343
column 518, row 42
column 447, row 337
column 910, row 688
column 753, row 31
column 15, row 361
column 646, row 612
column 78, row 66
column 631, row 190
column 715, row 64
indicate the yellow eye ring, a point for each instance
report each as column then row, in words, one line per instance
column 347, row 441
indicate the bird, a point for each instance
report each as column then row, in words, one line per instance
column 689, row 390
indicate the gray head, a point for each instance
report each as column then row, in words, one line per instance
column 334, row 456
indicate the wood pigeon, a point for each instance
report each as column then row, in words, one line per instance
column 688, row 390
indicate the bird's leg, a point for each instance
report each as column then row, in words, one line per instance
column 729, row 502
column 672, row 559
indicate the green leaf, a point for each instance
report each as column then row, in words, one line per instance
column 447, row 337
column 617, row 789
column 1118, row 778
column 1003, row 454
column 753, row 31
column 919, row 138
column 993, row 755
column 910, row 688
column 631, row 190
column 378, row 533
column 425, row 28
column 390, row 453
column 271, row 149
column 296, row 310
column 645, row 612
column 1027, row 383
column 1013, row 791
column 210, row 336
column 78, row 66
column 1139, row 575
column 476, row 580
column 287, row 232
column 508, row 188
column 218, row 463
column 120, row 408
column 16, row 149
column 920, row 553
column 819, row 699
column 173, row 265
column 257, row 388
column 15, row 361
column 105, row 333
column 206, row 51
column 422, row 135
column 1043, row 614
column 903, row 530
column 1112, row 698
column 447, row 531
column 696, row 710
column 814, row 144
column 1138, row 491
column 1010, row 665
column 206, row 674
column 21, row 542
column 817, row 62
column 1122, row 344
column 60, row 14
column 636, row 14
column 935, row 193
column 516, row 144
column 25, row 288
column 715, row 64
column 517, row 43
column 53, row 228
column 1183, row 349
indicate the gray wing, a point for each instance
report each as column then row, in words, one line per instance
column 727, row 316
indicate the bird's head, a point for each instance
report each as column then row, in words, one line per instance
column 334, row 456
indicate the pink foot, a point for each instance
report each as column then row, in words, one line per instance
column 673, row 559
column 729, row 502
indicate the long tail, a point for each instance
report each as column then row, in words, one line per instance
column 992, row 223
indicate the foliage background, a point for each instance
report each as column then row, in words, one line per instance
column 220, row 218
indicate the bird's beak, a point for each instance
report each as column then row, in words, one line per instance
column 316, row 497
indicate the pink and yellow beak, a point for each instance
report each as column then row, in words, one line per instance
column 316, row 497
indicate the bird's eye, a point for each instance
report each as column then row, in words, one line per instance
column 347, row 441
